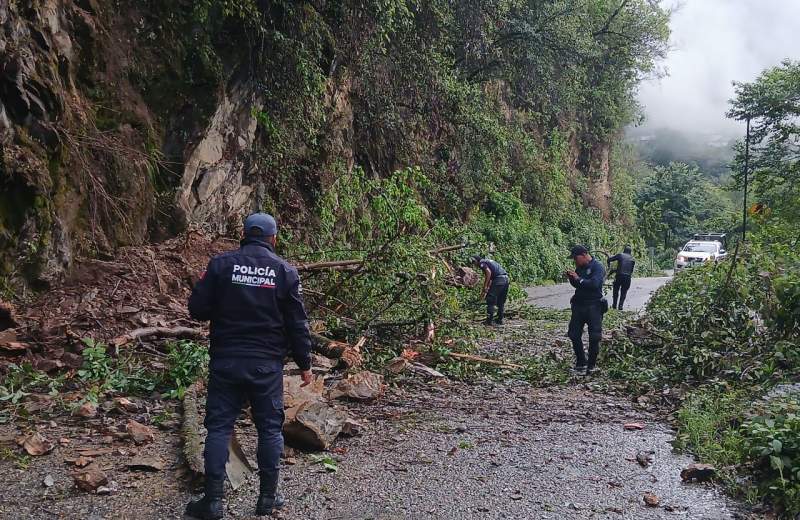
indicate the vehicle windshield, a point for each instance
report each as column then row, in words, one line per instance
column 700, row 248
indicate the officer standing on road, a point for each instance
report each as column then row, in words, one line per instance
column 624, row 274
column 588, row 306
column 495, row 288
column 254, row 301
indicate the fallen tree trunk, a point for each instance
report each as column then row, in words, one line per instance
column 238, row 467
column 348, row 355
column 479, row 359
column 161, row 332
column 191, row 428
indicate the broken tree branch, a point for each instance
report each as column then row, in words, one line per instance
column 348, row 265
column 162, row 332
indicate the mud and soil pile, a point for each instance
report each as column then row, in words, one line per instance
column 145, row 286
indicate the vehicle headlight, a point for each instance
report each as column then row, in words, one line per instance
column 681, row 258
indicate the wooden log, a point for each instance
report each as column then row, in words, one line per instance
column 238, row 467
column 348, row 355
column 191, row 428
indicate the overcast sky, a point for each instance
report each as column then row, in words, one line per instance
column 715, row 42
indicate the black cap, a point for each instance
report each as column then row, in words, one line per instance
column 475, row 258
column 578, row 250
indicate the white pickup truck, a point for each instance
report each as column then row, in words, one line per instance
column 700, row 250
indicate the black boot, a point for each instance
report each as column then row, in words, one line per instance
column 268, row 497
column 210, row 506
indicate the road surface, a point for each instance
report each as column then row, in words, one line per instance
column 557, row 296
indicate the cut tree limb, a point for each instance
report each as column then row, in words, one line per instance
column 348, row 355
column 191, row 428
column 238, row 466
column 478, row 359
column 353, row 263
column 162, row 332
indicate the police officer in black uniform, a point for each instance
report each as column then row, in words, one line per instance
column 588, row 306
column 254, row 301
column 624, row 274
column 495, row 288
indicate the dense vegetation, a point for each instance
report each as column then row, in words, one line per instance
column 519, row 101
column 727, row 337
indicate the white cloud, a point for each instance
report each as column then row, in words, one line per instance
column 716, row 42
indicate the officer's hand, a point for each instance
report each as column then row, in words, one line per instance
column 305, row 375
column 572, row 274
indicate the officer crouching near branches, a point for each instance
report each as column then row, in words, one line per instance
column 588, row 307
column 254, row 302
column 495, row 288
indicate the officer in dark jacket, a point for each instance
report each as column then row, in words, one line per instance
column 495, row 288
column 587, row 307
column 624, row 274
column 254, row 301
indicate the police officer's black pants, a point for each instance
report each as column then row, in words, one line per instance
column 232, row 382
column 496, row 300
column 590, row 314
column 621, row 285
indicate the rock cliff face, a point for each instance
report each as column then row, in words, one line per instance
column 106, row 139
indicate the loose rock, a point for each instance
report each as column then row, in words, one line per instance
column 140, row 433
column 651, row 500
column 633, row 426
column 37, row 445
column 351, row 428
column 48, row 481
column 90, row 479
column 125, row 405
column 86, row 410
column 698, row 473
column 144, row 463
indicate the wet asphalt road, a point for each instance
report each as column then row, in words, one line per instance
column 557, row 296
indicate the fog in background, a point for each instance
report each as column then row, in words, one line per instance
column 714, row 43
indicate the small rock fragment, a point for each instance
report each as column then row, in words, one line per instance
column 651, row 500
column 144, row 463
column 351, row 428
column 48, row 481
column 82, row 461
column 36, row 445
column 698, row 473
column 644, row 458
column 86, row 410
column 125, row 405
column 90, row 479
column 633, row 426
column 110, row 489
column 140, row 433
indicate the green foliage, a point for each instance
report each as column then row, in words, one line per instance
column 187, row 361
column 730, row 331
column 773, row 443
column 773, row 104
column 675, row 202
